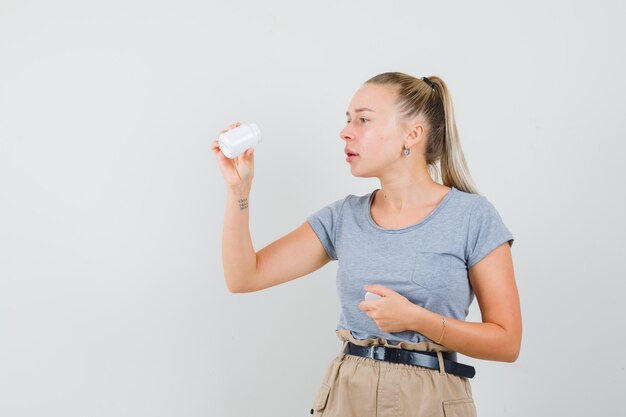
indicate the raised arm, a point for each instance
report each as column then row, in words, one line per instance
column 294, row 255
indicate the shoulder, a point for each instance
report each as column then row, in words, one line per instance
column 334, row 208
column 350, row 201
column 480, row 211
column 464, row 202
column 474, row 206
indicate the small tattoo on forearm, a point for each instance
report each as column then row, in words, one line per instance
column 243, row 203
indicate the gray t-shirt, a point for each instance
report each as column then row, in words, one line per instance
column 426, row 262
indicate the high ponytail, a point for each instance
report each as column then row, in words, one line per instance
column 430, row 97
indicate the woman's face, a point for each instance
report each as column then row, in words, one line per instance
column 373, row 131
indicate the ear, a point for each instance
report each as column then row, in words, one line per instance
column 417, row 132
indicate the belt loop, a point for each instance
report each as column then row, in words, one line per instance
column 342, row 353
column 442, row 369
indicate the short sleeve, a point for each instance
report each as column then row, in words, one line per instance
column 486, row 231
column 325, row 222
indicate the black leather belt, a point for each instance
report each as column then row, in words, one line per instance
column 412, row 357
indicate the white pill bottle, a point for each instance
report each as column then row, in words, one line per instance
column 235, row 142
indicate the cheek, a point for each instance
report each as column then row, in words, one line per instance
column 387, row 144
column 380, row 143
column 380, row 153
column 386, row 135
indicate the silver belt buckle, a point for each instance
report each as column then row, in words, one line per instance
column 373, row 351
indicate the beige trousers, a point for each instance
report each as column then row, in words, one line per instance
column 354, row 386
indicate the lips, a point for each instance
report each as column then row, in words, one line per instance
column 349, row 152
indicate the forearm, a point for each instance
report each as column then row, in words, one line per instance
column 479, row 340
column 238, row 254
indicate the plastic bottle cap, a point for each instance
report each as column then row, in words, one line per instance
column 371, row 296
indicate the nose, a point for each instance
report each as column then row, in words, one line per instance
column 346, row 133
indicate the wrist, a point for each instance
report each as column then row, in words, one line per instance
column 417, row 318
column 240, row 190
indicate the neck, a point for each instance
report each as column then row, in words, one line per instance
column 399, row 197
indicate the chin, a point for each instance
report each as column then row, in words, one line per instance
column 360, row 174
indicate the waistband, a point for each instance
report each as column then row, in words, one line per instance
column 439, row 361
column 346, row 335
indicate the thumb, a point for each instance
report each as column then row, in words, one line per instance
column 244, row 156
column 378, row 289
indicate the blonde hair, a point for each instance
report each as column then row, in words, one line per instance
column 416, row 97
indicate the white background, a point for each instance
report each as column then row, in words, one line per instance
column 112, row 296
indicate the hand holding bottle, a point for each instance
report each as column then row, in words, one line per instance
column 238, row 170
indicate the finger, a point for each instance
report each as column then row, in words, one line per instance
column 378, row 289
column 374, row 289
column 231, row 126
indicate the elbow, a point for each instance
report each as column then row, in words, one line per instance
column 511, row 357
column 232, row 288
column 511, row 343
column 237, row 289
column 512, row 353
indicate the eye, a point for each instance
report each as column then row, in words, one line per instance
column 363, row 119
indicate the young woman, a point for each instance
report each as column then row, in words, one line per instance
column 425, row 248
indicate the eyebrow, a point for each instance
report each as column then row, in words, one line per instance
column 360, row 110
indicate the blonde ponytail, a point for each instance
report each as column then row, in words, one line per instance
column 430, row 97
